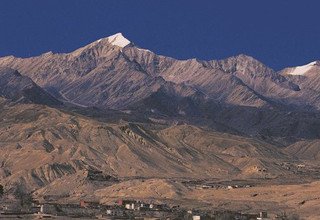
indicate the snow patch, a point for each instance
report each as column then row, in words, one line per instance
column 301, row 70
column 118, row 40
column 141, row 49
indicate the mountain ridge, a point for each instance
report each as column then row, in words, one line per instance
column 128, row 78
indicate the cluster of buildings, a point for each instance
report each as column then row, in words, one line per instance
column 123, row 209
column 140, row 205
column 199, row 185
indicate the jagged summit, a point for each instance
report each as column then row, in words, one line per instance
column 117, row 40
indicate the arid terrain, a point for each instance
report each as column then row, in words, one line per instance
column 114, row 121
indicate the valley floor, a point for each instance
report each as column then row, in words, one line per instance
column 300, row 199
column 238, row 196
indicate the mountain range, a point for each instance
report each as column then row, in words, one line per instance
column 114, row 73
column 115, row 108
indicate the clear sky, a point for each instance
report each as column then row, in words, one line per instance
column 280, row 33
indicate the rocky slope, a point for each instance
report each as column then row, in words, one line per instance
column 51, row 144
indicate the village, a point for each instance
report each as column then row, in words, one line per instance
column 24, row 206
column 121, row 209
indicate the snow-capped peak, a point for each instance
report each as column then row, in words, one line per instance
column 301, row 70
column 118, row 40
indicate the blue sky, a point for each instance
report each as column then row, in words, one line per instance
column 280, row 33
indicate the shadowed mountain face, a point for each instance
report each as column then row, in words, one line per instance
column 18, row 88
column 118, row 111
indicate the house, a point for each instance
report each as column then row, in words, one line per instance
column 128, row 206
column 262, row 216
column 196, row 217
column 206, row 187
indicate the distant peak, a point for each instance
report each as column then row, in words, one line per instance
column 118, row 40
column 244, row 56
column 301, row 70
